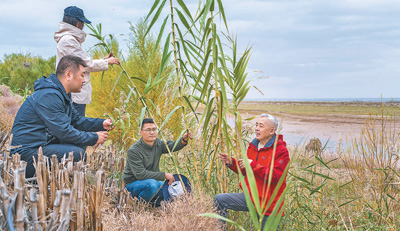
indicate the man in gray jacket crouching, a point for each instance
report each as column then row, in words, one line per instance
column 142, row 175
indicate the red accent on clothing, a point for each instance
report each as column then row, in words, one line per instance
column 261, row 165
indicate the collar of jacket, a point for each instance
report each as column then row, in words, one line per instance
column 51, row 82
column 267, row 145
column 146, row 146
column 68, row 29
column 60, row 87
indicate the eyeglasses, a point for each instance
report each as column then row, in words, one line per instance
column 150, row 130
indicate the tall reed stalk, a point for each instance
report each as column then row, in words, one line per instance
column 212, row 77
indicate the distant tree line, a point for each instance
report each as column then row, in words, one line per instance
column 20, row 71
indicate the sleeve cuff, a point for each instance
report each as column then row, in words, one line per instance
column 99, row 126
column 253, row 164
column 184, row 143
column 232, row 163
column 94, row 139
column 161, row 177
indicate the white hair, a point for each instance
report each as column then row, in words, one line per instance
column 271, row 118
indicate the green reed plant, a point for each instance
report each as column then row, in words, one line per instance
column 372, row 162
column 201, row 63
column 315, row 199
column 135, row 95
column 353, row 189
column 314, row 196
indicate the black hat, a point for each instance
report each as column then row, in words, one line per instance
column 76, row 12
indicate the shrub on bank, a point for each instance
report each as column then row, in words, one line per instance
column 9, row 105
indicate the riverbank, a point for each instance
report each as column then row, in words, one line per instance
column 327, row 121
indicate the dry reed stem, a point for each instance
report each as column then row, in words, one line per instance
column 53, row 185
column 4, row 197
column 55, row 214
column 42, row 194
column 19, row 191
column 80, row 213
column 59, row 185
column 64, row 204
column 34, row 200
column 70, row 165
column 7, row 168
column 73, row 205
column 99, row 194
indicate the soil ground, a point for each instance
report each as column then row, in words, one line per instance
column 297, row 127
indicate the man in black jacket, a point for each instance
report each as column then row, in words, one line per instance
column 47, row 118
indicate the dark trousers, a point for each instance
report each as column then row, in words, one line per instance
column 53, row 149
column 233, row 201
column 80, row 108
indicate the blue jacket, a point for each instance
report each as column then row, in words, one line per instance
column 48, row 117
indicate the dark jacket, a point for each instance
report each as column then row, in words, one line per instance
column 263, row 160
column 48, row 117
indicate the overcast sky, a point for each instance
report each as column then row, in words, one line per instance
column 307, row 48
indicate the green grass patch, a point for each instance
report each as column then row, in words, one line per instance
column 318, row 108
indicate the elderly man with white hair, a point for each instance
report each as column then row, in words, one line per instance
column 266, row 151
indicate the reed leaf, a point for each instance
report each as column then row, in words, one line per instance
column 348, row 202
column 153, row 7
column 317, row 189
column 160, row 34
column 319, row 174
column 156, row 16
column 191, row 107
column 203, row 67
column 206, row 10
column 147, row 87
column 169, row 115
column 213, row 215
column 115, row 84
column 185, row 9
column 222, row 11
column 143, row 112
column 185, row 49
column 183, row 21
column 301, row 179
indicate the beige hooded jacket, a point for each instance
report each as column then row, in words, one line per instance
column 69, row 39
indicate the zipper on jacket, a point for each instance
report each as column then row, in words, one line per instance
column 258, row 152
